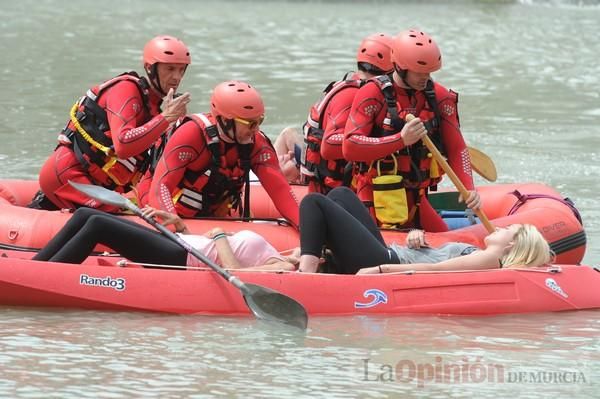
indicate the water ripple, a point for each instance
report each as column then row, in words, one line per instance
column 528, row 97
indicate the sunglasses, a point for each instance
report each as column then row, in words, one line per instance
column 252, row 124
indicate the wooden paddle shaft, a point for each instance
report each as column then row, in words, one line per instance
column 437, row 155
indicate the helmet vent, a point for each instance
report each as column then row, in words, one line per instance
column 380, row 56
column 169, row 53
column 248, row 107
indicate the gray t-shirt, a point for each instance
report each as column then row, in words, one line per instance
column 432, row 255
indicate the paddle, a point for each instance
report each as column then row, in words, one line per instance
column 265, row 303
column 482, row 164
column 457, row 183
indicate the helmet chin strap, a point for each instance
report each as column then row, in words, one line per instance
column 402, row 74
column 225, row 128
column 154, row 80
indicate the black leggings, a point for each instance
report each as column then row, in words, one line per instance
column 89, row 227
column 341, row 222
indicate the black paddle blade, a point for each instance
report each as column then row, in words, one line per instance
column 271, row 305
column 102, row 194
column 265, row 303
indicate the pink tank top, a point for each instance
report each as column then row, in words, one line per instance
column 249, row 248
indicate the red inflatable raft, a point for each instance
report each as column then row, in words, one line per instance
column 99, row 284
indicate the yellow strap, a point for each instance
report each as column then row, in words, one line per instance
column 106, row 150
column 108, row 166
column 85, row 134
column 177, row 195
column 377, row 162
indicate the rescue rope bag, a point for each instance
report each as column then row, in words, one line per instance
column 389, row 196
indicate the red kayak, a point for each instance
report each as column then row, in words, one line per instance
column 100, row 284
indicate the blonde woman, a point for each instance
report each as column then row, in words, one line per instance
column 517, row 245
column 340, row 223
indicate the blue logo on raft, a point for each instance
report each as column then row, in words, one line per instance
column 378, row 297
column 553, row 285
column 105, row 282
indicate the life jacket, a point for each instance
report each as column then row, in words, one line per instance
column 392, row 187
column 323, row 174
column 216, row 189
column 89, row 135
column 414, row 163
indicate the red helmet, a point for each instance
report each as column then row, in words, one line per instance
column 416, row 51
column 375, row 50
column 166, row 49
column 235, row 99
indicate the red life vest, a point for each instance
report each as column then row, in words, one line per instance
column 323, row 174
column 89, row 135
column 414, row 163
column 216, row 189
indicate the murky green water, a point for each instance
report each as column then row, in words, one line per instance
column 528, row 79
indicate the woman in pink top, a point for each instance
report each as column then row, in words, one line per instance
column 89, row 227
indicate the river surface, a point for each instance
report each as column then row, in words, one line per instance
column 528, row 77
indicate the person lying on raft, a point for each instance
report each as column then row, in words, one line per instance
column 341, row 223
column 89, row 227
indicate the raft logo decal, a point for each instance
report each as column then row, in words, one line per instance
column 106, row 282
column 553, row 285
column 377, row 297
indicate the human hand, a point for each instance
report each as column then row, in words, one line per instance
column 287, row 164
column 416, row 239
column 369, row 270
column 149, row 212
column 413, row 131
column 175, row 108
column 473, row 200
column 213, row 232
column 166, row 217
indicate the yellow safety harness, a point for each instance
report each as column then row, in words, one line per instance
column 109, row 152
column 106, row 150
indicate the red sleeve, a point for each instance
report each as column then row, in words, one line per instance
column 454, row 142
column 131, row 132
column 334, row 122
column 185, row 149
column 368, row 110
column 265, row 165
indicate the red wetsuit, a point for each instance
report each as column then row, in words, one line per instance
column 185, row 165
column 134, row 125
column 368, row 137
column 334, row 122
column 324, row 134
